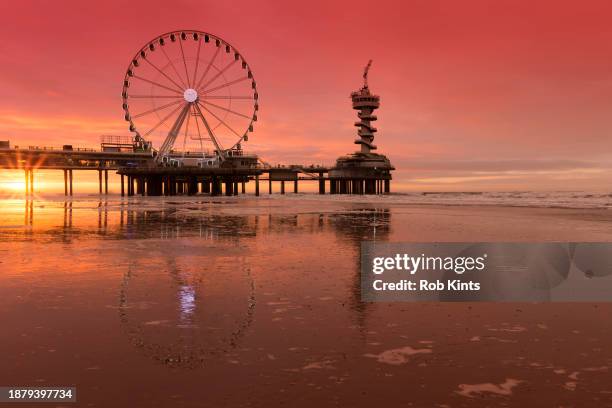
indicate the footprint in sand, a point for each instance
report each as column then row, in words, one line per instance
column 397, row 356
column 505, row 388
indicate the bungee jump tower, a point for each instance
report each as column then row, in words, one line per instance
column 363, row 172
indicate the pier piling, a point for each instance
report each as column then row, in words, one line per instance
column 106, row 182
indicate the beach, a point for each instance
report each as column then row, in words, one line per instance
column 244, row 301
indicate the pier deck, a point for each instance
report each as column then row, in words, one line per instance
column 145, row 177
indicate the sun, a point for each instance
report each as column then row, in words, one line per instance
column 13, row 182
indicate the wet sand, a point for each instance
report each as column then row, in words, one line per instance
column 189, row 302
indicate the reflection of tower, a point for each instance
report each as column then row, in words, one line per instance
column 364, row 224
column 365, row 102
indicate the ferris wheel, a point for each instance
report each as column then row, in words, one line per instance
column 192, row 92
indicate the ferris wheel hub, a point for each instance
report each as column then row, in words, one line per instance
column 190, row 95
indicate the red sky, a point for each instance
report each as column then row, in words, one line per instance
column 476, row 95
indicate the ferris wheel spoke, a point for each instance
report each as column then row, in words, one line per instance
column 184, row 62
column 195, row 72
column 164, row 119
column 228, row 97
column 156, row 84
column 226, row 109
column 235, row 81
column 163, row 73
column 210, row 63
column 220, row 120
column 155, row 96
column 174, row 68
column 155, row 109
column 210, row 81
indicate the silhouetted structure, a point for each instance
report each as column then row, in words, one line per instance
column 144, row 170
column 363, row 172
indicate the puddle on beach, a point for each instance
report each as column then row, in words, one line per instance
column 244, row 302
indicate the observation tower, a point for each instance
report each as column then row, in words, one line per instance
column 363, row 172
column 365, row 102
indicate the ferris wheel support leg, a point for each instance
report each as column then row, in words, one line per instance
column 174, row 131
column 210, row 133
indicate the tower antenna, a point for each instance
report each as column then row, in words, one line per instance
column 365, row 74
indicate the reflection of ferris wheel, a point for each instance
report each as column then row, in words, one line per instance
column 183, row 318
column 192, row 89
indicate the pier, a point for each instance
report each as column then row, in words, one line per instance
column 141, row 176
